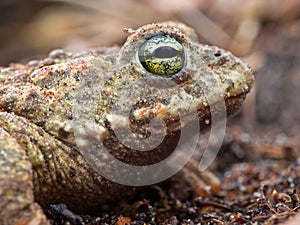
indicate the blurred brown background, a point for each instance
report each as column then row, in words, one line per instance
column 30, row 28
column 265, row 33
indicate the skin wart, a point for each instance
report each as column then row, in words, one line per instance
column 40, row 161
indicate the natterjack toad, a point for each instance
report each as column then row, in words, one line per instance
column 56, row 114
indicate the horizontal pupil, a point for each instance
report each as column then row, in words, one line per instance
column 165, row 52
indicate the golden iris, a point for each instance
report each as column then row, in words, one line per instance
column 162, row 55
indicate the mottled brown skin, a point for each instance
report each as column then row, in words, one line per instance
column 39, row 159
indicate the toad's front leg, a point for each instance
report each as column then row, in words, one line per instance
column 17, row 204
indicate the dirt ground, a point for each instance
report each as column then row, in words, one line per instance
column 259, row 163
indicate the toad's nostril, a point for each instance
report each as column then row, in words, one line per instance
column 218, row 54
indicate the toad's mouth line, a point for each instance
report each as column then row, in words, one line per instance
column 204, row 114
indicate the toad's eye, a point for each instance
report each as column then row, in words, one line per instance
column 162, row 55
